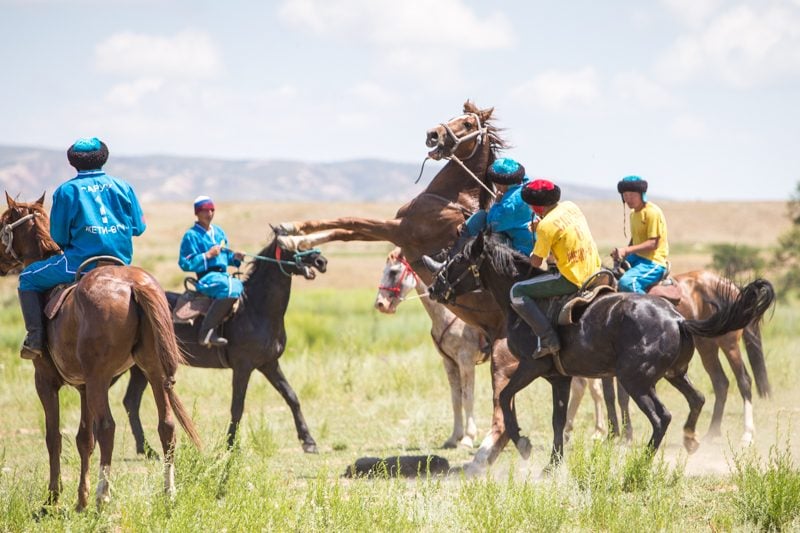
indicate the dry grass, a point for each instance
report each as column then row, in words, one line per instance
column 692, row 227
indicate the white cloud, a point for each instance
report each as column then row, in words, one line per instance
column 742, row 46
column 689, row 128
column 556, row 90
column 693, row 12
column 373, row 93
column 186, row 55
column 415, row 23
column 642, row 91
column 129, row 94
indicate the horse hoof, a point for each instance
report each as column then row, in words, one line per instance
column 524, row 447
column 310, row 447
column 449, row 445
column 746, row 441
column 473, row 469
column 467, row 443
column 691, row 444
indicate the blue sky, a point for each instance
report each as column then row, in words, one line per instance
column 700, row 97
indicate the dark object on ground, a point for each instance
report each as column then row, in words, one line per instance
column 398, row 466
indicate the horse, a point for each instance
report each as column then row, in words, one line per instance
column 115, row 317
column 428, row 224
column 256, row 339
column 460, row 345
column 702, row 291
column 635, row 337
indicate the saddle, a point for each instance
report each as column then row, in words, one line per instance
column 666, row 287
column 599, row 283
column 56, row 296
column 192, row 304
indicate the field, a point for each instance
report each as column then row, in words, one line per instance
column 372, row 385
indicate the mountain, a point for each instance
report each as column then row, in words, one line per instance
column 26, row 172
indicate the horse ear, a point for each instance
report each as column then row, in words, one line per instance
column 486, row 114
column 10, row 201
column 470, row 107
column 40, row 201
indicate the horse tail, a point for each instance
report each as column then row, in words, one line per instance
column 736, row 313
column 755, row 354
column 155, row 308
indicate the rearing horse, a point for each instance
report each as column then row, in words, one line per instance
column 428, row 224
column 115, row 317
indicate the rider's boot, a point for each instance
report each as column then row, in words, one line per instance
column 220, row 307
column 33, row 316
column 527, row 309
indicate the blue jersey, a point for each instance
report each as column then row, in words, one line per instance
column 509, row 215
column 196, row 242
column 96, row 214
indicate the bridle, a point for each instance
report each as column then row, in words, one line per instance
column 397, row 289
column 473, row 268
column 7, row 234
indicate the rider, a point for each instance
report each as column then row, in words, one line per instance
column 93, row 214
column 564, row 232
column 204, row 250
column 508, row 215
column 648, row 248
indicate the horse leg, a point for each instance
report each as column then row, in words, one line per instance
column 240, row 381
column 577, row 390
column 311, row 233
column 467, row 373
column 454, row 379
column 503, row 364
column 624, row 400
column 755, row 354
column 274, row 374
column 596, row 390
column 132, row 402
column 653, row 409
column 104, row 427
column 709, row 355
column 561, row 389
column 611, row 409
column 48, row 385
column 84, row 442
column 696, row 401
column 729, row 344
column 522, row 377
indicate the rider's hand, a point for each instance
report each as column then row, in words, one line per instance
column 213, row 251
column 617, row 254
column 238, row 255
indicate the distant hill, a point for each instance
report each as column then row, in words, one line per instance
column 27, row 172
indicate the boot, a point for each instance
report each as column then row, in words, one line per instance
column 33, row 316
column 533, row 316
column 214, row 317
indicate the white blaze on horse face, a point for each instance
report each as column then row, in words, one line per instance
column 396, row 283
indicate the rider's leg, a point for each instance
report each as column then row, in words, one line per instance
column 220, row 307
column 32, row 306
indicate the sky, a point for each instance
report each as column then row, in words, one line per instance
column 699, row 97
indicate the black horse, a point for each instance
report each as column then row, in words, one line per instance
column 256, row 339
column 637, row 338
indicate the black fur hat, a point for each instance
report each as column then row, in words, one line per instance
column 541, row 192
column 88, row 154
column 632, row 184
column 505, row 171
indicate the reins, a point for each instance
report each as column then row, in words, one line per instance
column 7, row 234
column 281, row 262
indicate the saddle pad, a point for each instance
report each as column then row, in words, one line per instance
column 573, row 309
column 189, row 306
column 55, row 299
column 667, row 289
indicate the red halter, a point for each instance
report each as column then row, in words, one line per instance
column 407, row 271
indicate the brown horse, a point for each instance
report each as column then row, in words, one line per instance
column 428, row 224
column 116, row 316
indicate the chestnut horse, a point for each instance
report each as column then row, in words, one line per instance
column 635, row 337
column 428, row 224
column 115, row 317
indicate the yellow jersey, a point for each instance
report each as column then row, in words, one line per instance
column 565, row 232
column 649, row 223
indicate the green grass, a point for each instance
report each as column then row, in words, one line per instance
column 374, row 385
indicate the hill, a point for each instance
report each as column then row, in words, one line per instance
column 27, row 171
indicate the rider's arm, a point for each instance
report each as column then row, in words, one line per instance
column 536, row 261
column 645, row 246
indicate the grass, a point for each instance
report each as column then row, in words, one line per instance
column 374, row 385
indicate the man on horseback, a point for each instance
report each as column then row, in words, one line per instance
column 204, row 251
column 564, row 232
column 648, row 248
column 93, row 214
column 509, row 215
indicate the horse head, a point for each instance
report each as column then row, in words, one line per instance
column 397, row 281
column 460, row 274
column 24, row 234
column 460, row 136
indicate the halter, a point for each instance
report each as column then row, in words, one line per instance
column 473, row 268
column 480, row 133
column 298, row 256
column 407, row 271
column 7, row 234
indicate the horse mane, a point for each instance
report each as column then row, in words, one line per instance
column 256, row 271
column 503, row 258
column 496, row 144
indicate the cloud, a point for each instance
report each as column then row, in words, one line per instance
column 742, row 46
column 413, row 23
column 693, row 12
column 186, row 55
column 373, row 93
column 640, row 90
column 689, row 128
column 556, row 90
column 129, row 94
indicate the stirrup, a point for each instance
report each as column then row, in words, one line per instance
column 28, row 352
column 213, row 340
